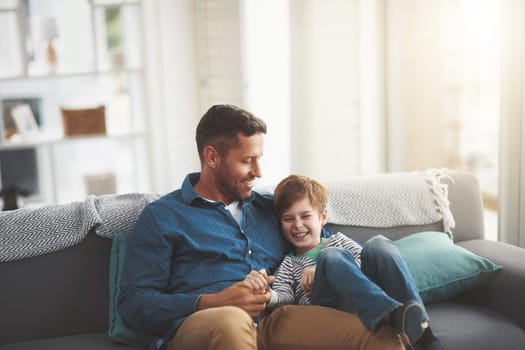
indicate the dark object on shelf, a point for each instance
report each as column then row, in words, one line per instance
column 89, row 121
column 10, row 197
column 19, row 168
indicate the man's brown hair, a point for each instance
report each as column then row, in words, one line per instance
column 296, row 187
column 220, row 125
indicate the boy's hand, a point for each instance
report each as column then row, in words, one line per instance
column 258, row 281
column 307, row 280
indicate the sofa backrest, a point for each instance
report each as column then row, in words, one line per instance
column 466, row 203
column 67, row 292
column 466, row 206
column 57, row 294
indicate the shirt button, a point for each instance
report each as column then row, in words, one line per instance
column 250, row 252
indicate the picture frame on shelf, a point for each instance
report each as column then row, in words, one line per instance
column 8, row 127
column 25, row 121
column 28, row 121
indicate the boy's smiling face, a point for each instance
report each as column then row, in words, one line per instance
column 302, row 225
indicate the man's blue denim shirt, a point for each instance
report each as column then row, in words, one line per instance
column 183, row 246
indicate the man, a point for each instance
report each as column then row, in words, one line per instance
column 190, row 250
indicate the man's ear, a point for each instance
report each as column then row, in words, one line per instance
column 211, row 156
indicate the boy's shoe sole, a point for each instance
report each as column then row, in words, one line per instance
column 409, row 320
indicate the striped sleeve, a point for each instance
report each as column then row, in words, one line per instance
column 283, row 287
column 341, row 240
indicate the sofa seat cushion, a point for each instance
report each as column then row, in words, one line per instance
column 89, row 341
column 470, row 327
column 62, row 293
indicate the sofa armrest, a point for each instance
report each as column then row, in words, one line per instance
column 504, row 292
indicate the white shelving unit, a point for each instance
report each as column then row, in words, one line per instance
column 96, row 60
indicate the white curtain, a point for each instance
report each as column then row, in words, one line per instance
column 512, row 135
column 325, row 106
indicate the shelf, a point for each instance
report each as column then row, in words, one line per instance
column 21, row 78
column 74, row 54
column 43, row 141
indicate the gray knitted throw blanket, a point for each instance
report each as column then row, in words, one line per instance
column 26, row 233
column 385, row 200
column 389, row 200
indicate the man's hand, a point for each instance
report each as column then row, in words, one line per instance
column 239, row 295
column 307, row 280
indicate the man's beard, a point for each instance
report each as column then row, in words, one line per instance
column 230, row 189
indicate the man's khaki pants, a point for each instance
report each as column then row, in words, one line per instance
column 289, row 327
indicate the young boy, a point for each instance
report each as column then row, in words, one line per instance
column 333, row 270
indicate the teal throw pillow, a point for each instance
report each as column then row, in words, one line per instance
column 117, row 330
column 440, row 268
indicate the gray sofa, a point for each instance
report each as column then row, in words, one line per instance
column 60, row 300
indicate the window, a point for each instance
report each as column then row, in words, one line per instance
column 448, row 58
